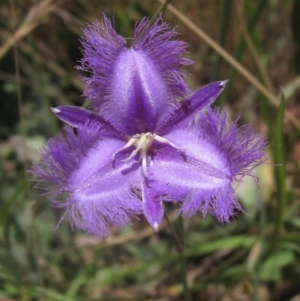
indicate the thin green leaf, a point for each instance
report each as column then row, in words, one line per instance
column 280, row 172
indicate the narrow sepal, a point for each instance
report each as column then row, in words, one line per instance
column 78, row 117
column 186, row 110
column 152, row 206
column 205, row 96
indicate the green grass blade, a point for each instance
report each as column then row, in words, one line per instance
column 280, row 172
column 223, row 27
column 253, row 19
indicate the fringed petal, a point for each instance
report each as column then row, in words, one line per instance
column 105, row 198
column 134, row 87
column 98, row 190
column 220, row 202
column 244, row 149
column 138, row 94
column 101, row 47
column 158, row 43
column 62, row 155
column 214, row 153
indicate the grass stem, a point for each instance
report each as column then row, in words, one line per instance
column 280, row 174
column 179, row 247
column 232, row 61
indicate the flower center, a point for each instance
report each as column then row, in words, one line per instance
column 142, row 143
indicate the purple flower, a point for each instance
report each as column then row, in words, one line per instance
column 147, row 138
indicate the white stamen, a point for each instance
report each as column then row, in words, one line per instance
column 134, row 153
column 166, row 141
column 142, row 143
column 128, row 144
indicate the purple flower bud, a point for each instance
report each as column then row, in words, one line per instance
column 148, row 138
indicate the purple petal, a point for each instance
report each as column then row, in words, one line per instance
column 138, row 93
column 78, row 117
column 199, row 166
column 215, row 153
column 99, row 191
column 105, row 198
column 152, row 206
column 187, row 109
column 132, row 87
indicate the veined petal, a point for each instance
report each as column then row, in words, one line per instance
column 138, row 93
column 98, row 190
column 78, row 117
column 200, row 166
column 201, row 186
column 132, row 87
column 104, row 198
column 201, row 170
column 216, row 152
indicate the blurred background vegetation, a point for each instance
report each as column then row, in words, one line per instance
column 255, row 257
